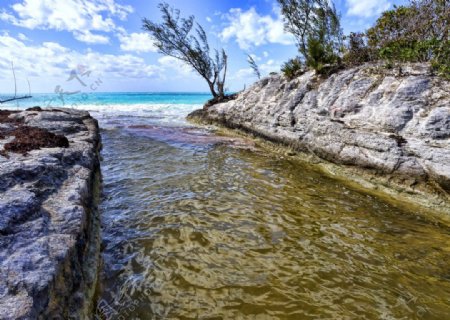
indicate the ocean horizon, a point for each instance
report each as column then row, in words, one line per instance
column 157, row 108
column 67, row 99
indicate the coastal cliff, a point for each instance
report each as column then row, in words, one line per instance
column 393, row 124
column 49, row 224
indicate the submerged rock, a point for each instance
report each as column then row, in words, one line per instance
column 49, row 230
column 365, row 117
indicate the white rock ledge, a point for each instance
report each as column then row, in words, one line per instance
column 49, row 224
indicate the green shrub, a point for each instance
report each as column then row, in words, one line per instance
column 415, row 33
column 316, row 23
column 292, row 68
column 357, row 51
column 321, row 57
column 441, row 60
column 409, row 50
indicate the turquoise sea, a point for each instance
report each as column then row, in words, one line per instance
column 165, row 107
column 109, row 98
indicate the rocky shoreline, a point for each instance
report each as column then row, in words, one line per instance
column 49, row 222
column 380, row 127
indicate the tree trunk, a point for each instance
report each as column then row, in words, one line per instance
column 220, row 95
column 221, row 84
column 211, row 88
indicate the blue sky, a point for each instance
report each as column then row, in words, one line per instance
column 103, row 39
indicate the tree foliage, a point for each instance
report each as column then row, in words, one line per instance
column 357, row 50
column 320, row 56
column 421, row 20
column 292, row 68
column 315, row 25
column 418, row 32
column 254, row 66
column 186, row 40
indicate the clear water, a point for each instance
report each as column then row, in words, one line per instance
column 201, row 226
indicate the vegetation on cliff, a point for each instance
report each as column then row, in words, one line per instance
column 316, row 27
column 417, row 32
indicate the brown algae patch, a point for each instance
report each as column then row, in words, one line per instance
column 33, row 138
column 189, row 135
column 26, row 138
column 6, row 119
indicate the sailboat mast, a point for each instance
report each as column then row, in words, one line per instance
column 15, row 82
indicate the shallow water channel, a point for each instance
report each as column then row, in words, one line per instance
column 198, row 227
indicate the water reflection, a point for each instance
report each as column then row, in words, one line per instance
column 196, row 229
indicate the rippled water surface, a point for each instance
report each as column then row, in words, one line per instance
column 198, row 227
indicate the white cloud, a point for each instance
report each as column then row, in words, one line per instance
column 367, row 8
column 244, row 73
column 208, row 19
column 50, row 60
column 123, row 66
column 270, row 66
column 251, row 29
column 247, row 74
column 68, row 15
column 137, row 42
column 22, row 37
column 173, row 64
column 89, row 37
column 5, row 16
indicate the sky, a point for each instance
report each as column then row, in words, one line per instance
column 99, row 45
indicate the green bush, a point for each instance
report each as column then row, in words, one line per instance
column 292, row 68
column 321, row 57
column 415, row 33
column 409, row 50
column 441, row 60
column 316, row 26
column 357, row 51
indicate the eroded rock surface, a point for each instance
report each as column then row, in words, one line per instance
column 49, row 231
column 366, row 117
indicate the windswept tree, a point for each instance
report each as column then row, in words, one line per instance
column 254, row 66
column 186, row 40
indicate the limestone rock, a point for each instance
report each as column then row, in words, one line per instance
column 49, row 232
